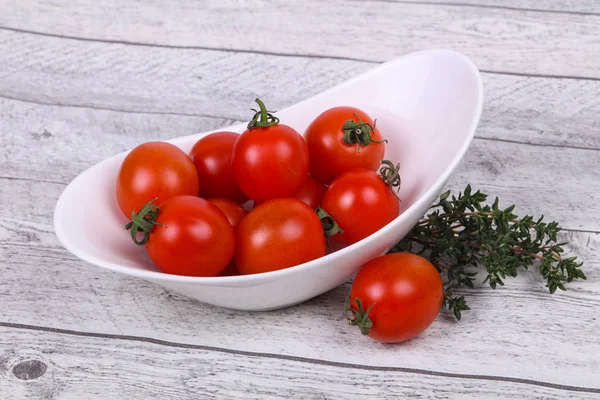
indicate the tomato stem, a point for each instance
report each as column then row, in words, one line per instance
column 330, row 227
column 262, row 118
column 359, row 318
column 144, row 222
column 390, row 174
column 359, row 132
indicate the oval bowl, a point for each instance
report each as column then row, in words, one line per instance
column 427, row 104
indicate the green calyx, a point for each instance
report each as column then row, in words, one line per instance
column 359, row 132
column 330, row 227
column 262, row 118
column 144, row 222
column 359, row 318
column 390, row 174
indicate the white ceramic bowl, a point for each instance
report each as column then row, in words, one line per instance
column 427, row 105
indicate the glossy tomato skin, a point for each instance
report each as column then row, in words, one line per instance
column 330, row 155
column 212, row 157
column 270, row 163
column 361, row 203
column 154, row 170
column 196, row 239
column 407, row 292
column 233, row 211
column 278, row 234
column 312, row 193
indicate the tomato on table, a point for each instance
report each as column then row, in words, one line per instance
column 400, row 295
column 278, row 234
column 312, row 193
column 270, row 160
column 185, row 235
column 361, row 203
column 154, row 170
column 212, row 157
column 233, row 211
column 340, row 139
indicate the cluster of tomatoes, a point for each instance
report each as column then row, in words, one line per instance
column 190, row 210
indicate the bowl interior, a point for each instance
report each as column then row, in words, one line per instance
column 426, row 104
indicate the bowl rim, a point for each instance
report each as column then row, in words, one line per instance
column 272, row 275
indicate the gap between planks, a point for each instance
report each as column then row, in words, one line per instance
column 267, row 53
column 307, row 360
column 487, row 6
column 13, row 178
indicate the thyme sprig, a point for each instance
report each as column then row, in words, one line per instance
column 461, row 233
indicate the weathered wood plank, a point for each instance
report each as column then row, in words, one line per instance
column 566, row 6
column 557, row 112
column 43, row 285
column 209, row 83
column 68, row 140
column 158, row 92
column 497, row 39
column 94, row 367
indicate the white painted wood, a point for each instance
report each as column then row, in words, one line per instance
column 97, row 368
column 201, row 82
column 497, row 39
column 517, row 331
column 69, row 140
column 566, row 6
column 66, row 104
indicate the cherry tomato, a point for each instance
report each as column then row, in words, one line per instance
column 278, row 234
column 212, row 157
column 312, row 193
column 361, row 203
column 233, row 211
column 340, row 139
column 270, row 160
column 190, row 237
column 154, row 170
column 404, row 292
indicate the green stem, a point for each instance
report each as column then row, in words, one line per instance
column 390, row 174
column 144, row 222
column 262, row 118
column 359, row 317
column 359, row 132
column 330, row 227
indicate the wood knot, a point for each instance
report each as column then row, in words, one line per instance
column 30, row 369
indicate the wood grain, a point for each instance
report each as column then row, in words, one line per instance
column 526, row 175
column 497, row 39
column 137, row 71
column 223, row 85
column 564, row 6
column 43, row 285
column 94, row 367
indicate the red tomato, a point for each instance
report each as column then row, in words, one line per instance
column 312, row 193
column 233, row 211
column 270, row 160
column 154, row 170
column 212, row 158
column 191, row 237
column 278, row 234
column 336, row 146
column 361, row 203
column 405, row 292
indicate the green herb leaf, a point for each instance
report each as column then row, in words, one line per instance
column 462, row 233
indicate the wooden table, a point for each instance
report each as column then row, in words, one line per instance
column 82, row 80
